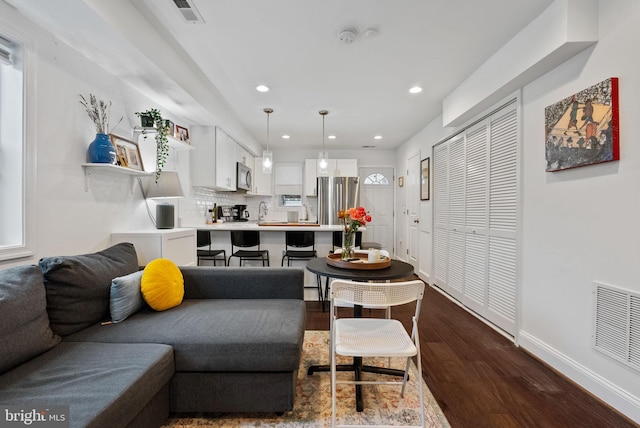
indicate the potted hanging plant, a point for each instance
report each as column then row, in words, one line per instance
column 100, row 150
column 153, row 118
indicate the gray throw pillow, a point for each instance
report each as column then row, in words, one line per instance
column 78, row 287
column 24, row 323
column 126, row 297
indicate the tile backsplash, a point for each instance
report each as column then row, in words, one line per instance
column 196, row 204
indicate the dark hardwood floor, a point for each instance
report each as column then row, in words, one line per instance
column 480, row 379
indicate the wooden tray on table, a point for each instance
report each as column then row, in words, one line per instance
column 360, row 261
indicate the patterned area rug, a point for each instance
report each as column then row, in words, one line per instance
column 312, row 406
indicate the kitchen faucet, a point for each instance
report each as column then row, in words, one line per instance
column 260, row 215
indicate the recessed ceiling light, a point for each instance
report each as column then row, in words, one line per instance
column 285, row 137
column 415, row 90
column 262, row 88
column 378, row 137
column 331, row 137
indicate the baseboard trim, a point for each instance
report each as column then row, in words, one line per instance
column 621, row 400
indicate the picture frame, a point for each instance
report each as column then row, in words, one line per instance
column 182, row 134
column 127, row 153
column 171, row 127
column 584, row 128
column 425, row 183
column 400, row 181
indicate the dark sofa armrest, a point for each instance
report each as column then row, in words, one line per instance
column 208, row 282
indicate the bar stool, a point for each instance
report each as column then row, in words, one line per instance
column 337, row 239
column 301, row 245
column 203, row 238
column 371, row 246
column 247, row 239
column 337, row 242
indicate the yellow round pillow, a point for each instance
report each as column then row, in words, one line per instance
column 162, row 284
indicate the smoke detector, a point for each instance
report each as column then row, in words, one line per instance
column 347, row 36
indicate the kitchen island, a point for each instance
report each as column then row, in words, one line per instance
column 268, row 226
column 272, row 238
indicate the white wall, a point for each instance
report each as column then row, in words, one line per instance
column 420, row 144
column 70, row 220
column 579, row 225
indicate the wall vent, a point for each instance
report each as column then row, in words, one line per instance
column 189, row 12
column 617, row 324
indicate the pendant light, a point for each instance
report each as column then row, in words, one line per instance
column 267, row 155
column 322, row 156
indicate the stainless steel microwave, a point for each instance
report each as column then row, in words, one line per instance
column 244, row 177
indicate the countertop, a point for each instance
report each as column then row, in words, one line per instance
column 268, row 226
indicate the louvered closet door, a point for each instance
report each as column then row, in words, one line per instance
column 503, row 215
column 476, row 218
column 455, row 268
column 441, row 214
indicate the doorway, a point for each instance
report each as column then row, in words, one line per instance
column 376, row 186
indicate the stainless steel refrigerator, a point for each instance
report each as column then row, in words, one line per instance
column 335, row 194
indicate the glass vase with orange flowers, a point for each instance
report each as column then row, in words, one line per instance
column 352, row 219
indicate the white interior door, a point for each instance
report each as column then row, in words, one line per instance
column 413, row 206
column 376, row 186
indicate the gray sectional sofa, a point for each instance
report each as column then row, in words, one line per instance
column 233, row 345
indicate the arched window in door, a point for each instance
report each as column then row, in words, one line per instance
column 376, row 178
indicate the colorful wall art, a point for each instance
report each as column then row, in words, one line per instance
column 583, row 128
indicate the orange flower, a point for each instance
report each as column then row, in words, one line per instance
column 353, row 218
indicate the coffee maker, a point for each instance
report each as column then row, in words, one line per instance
column 240, row 213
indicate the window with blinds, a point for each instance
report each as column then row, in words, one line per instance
column 475, row 216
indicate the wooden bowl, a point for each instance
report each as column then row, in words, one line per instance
column 360, row 261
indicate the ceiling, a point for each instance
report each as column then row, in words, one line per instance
column 293, row 47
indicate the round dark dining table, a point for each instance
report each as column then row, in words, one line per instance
column 397, row 270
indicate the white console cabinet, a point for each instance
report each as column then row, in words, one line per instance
column 177, row 245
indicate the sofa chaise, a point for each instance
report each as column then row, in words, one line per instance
column 233, row 344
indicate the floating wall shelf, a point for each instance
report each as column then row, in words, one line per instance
column 174, row 143
column 89, row 168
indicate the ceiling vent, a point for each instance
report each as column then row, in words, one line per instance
column 189, row 12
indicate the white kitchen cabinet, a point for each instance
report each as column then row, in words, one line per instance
column 288, row 178
column 346, row 168
column 213, row 162
column 244, row 156
column 335, row 167
column 330, row 171
column 177, row 245
column 225, row 161
column 310, row 176
column 262, row 184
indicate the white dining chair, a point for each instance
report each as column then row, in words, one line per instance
column 375, row 337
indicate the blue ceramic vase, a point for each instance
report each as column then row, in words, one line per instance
column 101, row 150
